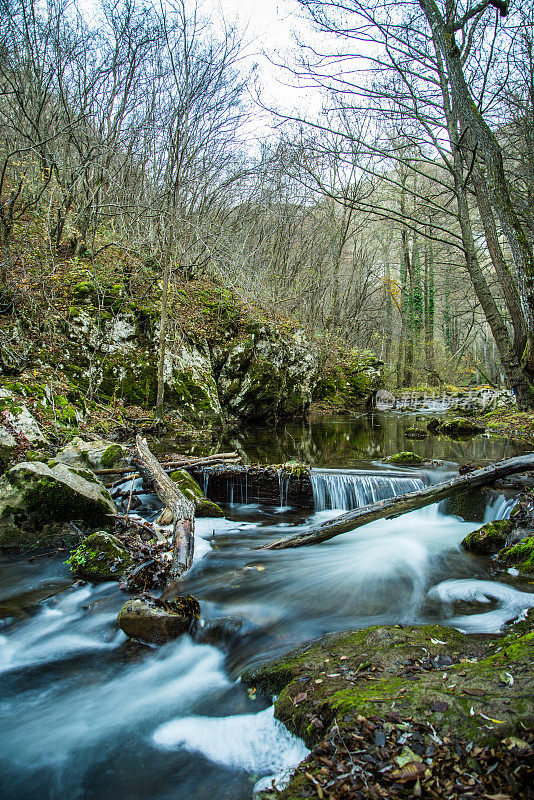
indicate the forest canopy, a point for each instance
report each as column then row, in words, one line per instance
column 399, row 219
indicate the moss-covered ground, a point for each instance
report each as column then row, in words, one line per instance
column 454, row 687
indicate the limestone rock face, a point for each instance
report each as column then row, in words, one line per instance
column 18, row 421
column 267, row 376
column 99, row 454
column 33, row 494
column 100, row 557
column 156, row 621
column 124, row 362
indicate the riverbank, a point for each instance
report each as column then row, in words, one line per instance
column 408, row 712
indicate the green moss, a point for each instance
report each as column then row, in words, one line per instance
column 520, row 555
column 461, row 427
column 489, row 538
column 406, row 458
column 100, row 557
column 111, row 456
column 192, row 491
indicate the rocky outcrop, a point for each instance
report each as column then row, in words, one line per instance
column 259, row 373
column 157, row 621
column 17, row 426
column 34, row 495
column 100, row 557
column 266, row 374
column 349, row 382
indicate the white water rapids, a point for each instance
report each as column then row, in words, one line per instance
column 87, row 715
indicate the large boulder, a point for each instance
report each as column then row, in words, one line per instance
column 100, row 557
column 190, row 488
column 156, row 621
column 267, row 375
column 99, row 454
column 34, row 494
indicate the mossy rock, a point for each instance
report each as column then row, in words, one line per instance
column 156, row 621
column 520, row 555
column 461, row 427
column 405, row 459
column 34, row 494
column 365, row 673
column 95, row 454
column 190, row 488
column 100, row 557
column 490, row 538
column 415, row 433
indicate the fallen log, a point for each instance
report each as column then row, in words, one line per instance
column 172, row 498
column 172, row 465
column 395, row 506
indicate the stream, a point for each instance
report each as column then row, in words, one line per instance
column 88, row 714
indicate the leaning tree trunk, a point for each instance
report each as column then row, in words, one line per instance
column 471, row 117
column 395, row 506
column 182, row 509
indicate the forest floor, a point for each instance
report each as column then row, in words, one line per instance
column 401, row 712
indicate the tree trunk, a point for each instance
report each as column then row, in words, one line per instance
column 471, row 117
column 183, row 510
column 163, row 334
column 395, row 506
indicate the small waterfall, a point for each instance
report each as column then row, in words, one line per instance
column 346, row 490
column 283, row 483
column 499, row 507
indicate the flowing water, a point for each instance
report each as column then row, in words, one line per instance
column 87, row 714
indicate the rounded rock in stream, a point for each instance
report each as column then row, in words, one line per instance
column 156, row 621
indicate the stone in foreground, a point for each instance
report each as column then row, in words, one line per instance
column 156, row 621
column 100, row 557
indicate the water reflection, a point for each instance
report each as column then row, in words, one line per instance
column 347, row 441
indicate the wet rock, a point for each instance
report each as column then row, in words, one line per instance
column 405, row 459
column 520, row 555
column 221, row 632
column 490, row 538
column 34, row 494
column 156, row 621
column 190, row 488
column 100, row 557
column 461, row 427
column 99, row 454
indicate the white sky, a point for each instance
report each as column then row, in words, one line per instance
column 268, row 28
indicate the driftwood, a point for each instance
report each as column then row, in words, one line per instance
column 172, row 498
column 171, row 465
column 395, row 506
